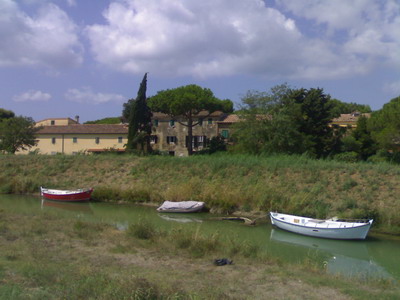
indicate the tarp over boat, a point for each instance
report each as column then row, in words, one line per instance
column 182, row 206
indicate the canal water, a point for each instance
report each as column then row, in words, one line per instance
column 374, row 258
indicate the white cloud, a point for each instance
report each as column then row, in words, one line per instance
column 86, row 95
column 49, row 38
column 369, row 28
column 229, row 37
column 32, row 95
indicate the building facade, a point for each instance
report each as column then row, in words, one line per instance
column 67, row 136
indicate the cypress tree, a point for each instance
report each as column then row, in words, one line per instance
column 140, row 121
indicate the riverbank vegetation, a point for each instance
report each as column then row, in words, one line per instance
column 227, row 183
column 50, row 256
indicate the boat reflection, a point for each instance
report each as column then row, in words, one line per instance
column 346, row 258
column 78, row 207
column 181, row 218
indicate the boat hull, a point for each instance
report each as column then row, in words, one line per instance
column 67, row 196
column 347, row 231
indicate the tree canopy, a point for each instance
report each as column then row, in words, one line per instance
column 17, row 133
column 286, row 120
column 6, row 114
column 186, row 102
column 340, row 107
column 385, row 125
column 140, row 121
column 110, row 120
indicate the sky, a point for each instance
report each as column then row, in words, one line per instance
column 63, row 58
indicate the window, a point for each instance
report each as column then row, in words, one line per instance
column 74, row 139
column 155, row 122
column 153, row 139
column 52, row 122
column 120, row 139
column 171, row 139
column 53, row 140
column 171, row 123
column 209, row 120
column 200, row 122
column 197, row 141
column 225, row 134
column 97, row 140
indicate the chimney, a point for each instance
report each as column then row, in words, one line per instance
column 77, row 119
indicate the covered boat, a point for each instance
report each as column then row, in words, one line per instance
column 67, row 195
column 181, row 207
column 330, row 229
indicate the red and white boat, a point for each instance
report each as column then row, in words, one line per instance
column 66, row 195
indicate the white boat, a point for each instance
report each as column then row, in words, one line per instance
column 330, row 229
column 181, row 207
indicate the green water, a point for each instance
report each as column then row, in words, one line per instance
column 376, row 257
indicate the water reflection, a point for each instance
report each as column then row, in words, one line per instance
column 80, row 208
column 345, row 258
column 186, row 218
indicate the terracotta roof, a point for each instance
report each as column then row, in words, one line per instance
column 232, row 118
column 84, row 129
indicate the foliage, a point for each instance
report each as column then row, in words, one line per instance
column 111, row 120
column 384, row 125
column 366, row 146
column 140, row 121
column 340, row 107
column 286, row 121
column 187, row 102
column 216, row 144
column 6, row 114
column 17, row 133
column 126, row 110
column 350, row 156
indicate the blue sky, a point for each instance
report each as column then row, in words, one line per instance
column 62, row 58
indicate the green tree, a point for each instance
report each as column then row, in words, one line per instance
column 140, row 121
column 362, row 135
column 17, row 133
column 340, row 107
column 286, row 120
column 316, row 113
column 126, row 110
column 384, row 125
column 110, row 120
column 6, row 114
column 187, row 102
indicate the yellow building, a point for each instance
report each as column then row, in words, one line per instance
column 67, row 136
column 57, row 121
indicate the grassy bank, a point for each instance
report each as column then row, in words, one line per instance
column 51, row 257
column 227, row 183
